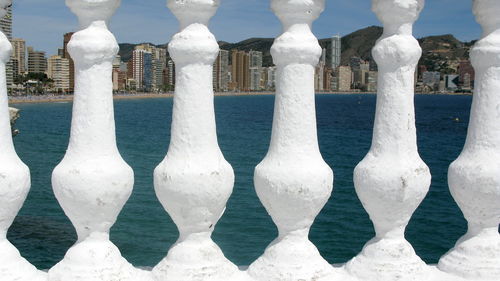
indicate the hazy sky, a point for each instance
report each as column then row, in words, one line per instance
column 43, row 22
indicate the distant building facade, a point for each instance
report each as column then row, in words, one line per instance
column 240, row 71
column 19, row 56
column 255, row 69
column 221, row 72
column 6, row 27
column 119, row 74
column 37, row 62
column 66, row 55
column 466, row 74
column 138, row 64
column 148, row 67
column 271, row 78
column 431, row 80
column 58, row 70
column 371, row 81
column 336, row 51
column 344, row 78
column 170, row 73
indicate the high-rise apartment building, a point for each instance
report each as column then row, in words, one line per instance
column 6, row 27
column 271, row 78
column 15, row 68
column 221, row 72
column 255, row 68
column 19, row 55
column 344, row 78
column 66, row 55
column 170, row 73
column 119, row 74
column 58, row 70
column 319, row 76
column 147, row 79
column 159, row 65
column 336, row 51
column 119, row 79
column 152, row 68
column 328, row 78
column 37, row 63
column 355, row 63
column 138, row 67
column 6, row 23
column 359, row 78
column 371, row 81
column 240, row 71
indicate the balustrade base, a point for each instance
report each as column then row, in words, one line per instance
column 291, row 258
column 198, row 260
column 96, row 260
column 474, row 258
column 388, row 259
column 340, row 274
column 15, row 267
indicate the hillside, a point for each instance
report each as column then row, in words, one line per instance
column 253, row 44
column 436, row 49
column 359, row 43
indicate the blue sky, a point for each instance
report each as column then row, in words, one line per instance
column 43, row 22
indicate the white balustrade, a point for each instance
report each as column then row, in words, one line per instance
column 92, row 182
column 14, row 179
column 293, row 181
column 474, row 178
column 194, row 181
column 392, row 180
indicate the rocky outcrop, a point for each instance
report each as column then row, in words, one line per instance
column 14, row 115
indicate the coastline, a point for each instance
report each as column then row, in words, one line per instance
column 69, row 98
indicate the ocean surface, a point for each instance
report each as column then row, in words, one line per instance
column 144, row 232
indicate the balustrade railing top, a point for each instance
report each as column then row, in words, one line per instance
column 92, row 183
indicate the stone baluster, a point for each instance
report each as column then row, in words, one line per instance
column 392, row 180
column 14, row 179
column 93, row 182
column 293, row 181
column 194, row 181
column 474, row 178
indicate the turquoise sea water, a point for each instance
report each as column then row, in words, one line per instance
column 144, row 231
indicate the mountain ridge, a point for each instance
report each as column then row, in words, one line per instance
column 437, row 50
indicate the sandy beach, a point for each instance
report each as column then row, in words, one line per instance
column 69, row 98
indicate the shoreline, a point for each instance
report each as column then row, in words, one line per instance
column 69, row 98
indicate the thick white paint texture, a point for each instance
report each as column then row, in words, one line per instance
column 194, row 181
column 293, row 181
column 14, row 180
column 392, row 180
column 474, row 178
column 92, row 182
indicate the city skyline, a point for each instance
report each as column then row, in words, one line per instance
column 136, row 21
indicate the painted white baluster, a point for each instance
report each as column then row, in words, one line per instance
column 194, row 181
column 474, row 178
column 392, row 180
column 293, row 181
column 92, row 182
column 14, row 180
